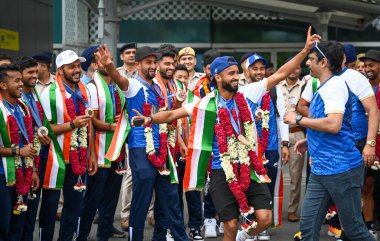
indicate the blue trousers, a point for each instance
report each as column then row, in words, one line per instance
column 193, row 198
column 33, row 205
column 102, row 194
column 272, row 168
column 6, row 194
column 167, row 212
column 71, row 207
column 209, row 208
column 345, row 190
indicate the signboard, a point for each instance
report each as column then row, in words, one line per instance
column 9, row 40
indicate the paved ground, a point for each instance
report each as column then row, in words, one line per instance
column 284, row 233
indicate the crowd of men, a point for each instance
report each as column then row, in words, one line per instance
column 154, row 127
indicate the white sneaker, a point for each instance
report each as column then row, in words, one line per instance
column 373, row 232
column 221, row 227
column 244, row 236
column 210, row 227
column 169, row 236
column 264, row 235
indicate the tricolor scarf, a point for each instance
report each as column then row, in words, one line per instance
column 106, row 114
column 8, row 162
column 200, row 145
column 59, row 150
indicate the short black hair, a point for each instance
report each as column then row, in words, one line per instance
column 6, row 68
column 180, row 67
column 26, row 62
column 170, row 47
column 5, row 56
column 165, row 53
column 269, row 65
column 334, row 53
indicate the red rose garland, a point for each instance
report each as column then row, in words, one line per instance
column 157, row 161
column 265, row 106
column 376, row 164
column 235, row 150
column 78, row 159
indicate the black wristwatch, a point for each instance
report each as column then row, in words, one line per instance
column 285, row 144
column 298, row 119
column 72, row 126
column 13, row 151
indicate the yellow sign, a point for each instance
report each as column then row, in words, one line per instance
column 9, row 40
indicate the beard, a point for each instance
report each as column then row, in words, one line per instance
column 164, row 75
column 27, row 84
column 227, row 86
column 147, row 75
column 69, row 78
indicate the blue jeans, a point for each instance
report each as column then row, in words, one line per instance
column 345, row 190
column 102, row 193
column 193, row 198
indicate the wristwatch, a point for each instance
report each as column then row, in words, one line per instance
column 72, row 125
column 371, row 143
column 285, row 144
column 298, row 119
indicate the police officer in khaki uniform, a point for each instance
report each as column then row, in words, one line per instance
column 186, row 56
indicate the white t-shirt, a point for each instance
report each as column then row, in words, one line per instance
column 91, row 87
column 334, row 94
column 358, row 84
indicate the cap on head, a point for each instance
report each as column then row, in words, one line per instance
column 44, row 57
column 372, row 54
column 186, row 51
column 220, row 64
column 350, row 53
column 128, row 46
column 245, row 56
column 253, row 59
column 88, row 54
column 144, row 52
column 67, row 57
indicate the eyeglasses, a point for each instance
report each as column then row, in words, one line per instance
column 320, row 51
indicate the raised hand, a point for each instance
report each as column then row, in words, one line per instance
column 103, row 55
column 311, row 39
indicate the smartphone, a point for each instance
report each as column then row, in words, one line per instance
column 138, row 121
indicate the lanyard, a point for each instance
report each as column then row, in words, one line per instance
column 235, row 125
column 20, row 120
column 33, row 107
column 74, row 93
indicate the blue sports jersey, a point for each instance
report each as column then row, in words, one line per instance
column 137, row 94
column 332, row 153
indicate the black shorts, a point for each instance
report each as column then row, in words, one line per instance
column 227, row 207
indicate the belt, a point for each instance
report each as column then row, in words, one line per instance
column 295, row 129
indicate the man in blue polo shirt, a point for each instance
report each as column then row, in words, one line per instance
column 337, row 166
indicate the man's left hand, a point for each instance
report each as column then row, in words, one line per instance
column 35, row 181
column 92, row 165
column 369, row 155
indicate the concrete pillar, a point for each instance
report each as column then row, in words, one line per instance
column 110, row 33
column 323, row 15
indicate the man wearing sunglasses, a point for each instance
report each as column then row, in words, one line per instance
column 337, row 166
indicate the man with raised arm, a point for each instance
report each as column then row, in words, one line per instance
column 221, row 124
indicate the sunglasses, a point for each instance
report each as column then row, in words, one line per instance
column 320, row 51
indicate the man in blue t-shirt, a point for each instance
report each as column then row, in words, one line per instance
column 337, row 166
column 145, row 176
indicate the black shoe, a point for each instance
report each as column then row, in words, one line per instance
column 195, row 234
column 116, row 233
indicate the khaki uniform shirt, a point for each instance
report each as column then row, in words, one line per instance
column 193, row 82
column 291, row 95
column 40, row 87
column 126, row 74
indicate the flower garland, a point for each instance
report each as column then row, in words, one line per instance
column 23, row 177
column 264, row 113
column 121, row 170
column 376, row 164
column 165, row 140
column 206, row 86
column 78, row 158
column 36, row 141
column 234, row 148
